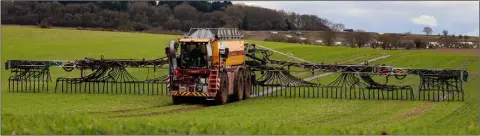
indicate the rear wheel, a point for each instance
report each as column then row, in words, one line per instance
column 247, row 84
column 239, row 85
column 222, row 93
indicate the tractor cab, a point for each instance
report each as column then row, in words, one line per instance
column 194, row 53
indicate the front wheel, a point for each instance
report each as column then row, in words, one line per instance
column 222, row 93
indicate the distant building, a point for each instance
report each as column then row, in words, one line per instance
column 348, row 30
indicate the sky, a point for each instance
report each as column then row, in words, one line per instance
column 457, row 17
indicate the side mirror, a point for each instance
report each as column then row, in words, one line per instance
column 224, row 53
column 167, row 51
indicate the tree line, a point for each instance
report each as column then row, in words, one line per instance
column 166, row 15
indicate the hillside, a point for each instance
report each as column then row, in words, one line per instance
column 147, row 15
column 119, row 114
column 317, row 35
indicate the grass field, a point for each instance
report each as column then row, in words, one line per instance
column 55, row 113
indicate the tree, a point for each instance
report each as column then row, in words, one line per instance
column 235, row 16
column 427, row 30
column 187, row 14
column 114, row 5
column 350, row 38
column 362, row 37
column 213, row 19
column 170, row 15
column 418, row 43
column 445, row 33
column 385, row 39
column 160, row 15
column 337, row 27
column 328, row 37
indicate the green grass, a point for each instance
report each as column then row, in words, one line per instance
column 51, row 113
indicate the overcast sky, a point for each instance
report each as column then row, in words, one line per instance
column 458, row 17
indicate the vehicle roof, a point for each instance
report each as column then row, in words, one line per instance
column 195, row 39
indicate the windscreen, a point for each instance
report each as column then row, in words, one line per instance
column 193, row 55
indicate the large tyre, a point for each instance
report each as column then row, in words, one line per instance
column 177, row 100
column 222, row 94
column 247, row 84
column 239, row 86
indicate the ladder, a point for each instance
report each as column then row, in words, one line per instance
column 213, row 81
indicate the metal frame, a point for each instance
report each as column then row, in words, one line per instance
column 220, row 33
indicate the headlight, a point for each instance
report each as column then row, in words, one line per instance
column 199, row 88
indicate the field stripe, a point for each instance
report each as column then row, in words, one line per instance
column 179, row 110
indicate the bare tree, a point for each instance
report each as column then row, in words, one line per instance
column 362, row 37
column 337, row 27
column 445, row 33
column 395, row 40
column 330, row 35
column 350, row 38
column 385, row 39
column 427, row 30
column 235, row 15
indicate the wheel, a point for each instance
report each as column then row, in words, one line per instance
column 222, row 93
column 239, row 85
column 177, row 100
column 247, row 84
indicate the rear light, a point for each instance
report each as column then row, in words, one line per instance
column 190, row 89
column 384, row 71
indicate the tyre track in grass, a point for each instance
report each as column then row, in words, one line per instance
column 178, row 110
column 132, row 109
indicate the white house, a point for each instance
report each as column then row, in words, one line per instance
column 469, row 43
column 337, row 43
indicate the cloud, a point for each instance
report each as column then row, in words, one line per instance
column 458, row 17
column 425, row 20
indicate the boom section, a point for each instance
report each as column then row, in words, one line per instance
column 87, row 63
